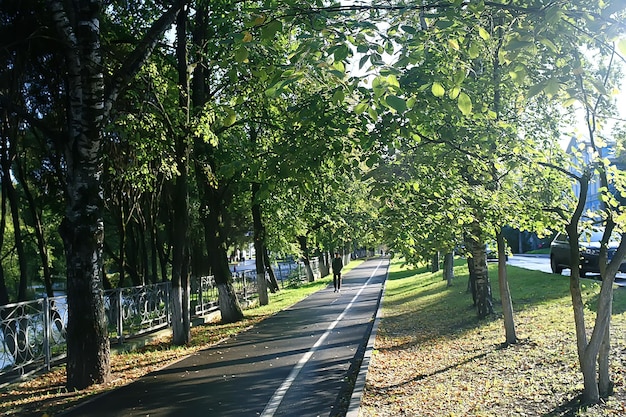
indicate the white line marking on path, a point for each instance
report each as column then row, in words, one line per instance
column 279, row 394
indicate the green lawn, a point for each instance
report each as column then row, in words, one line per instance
column 434, row 357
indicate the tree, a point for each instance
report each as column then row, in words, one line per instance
column 90, row 101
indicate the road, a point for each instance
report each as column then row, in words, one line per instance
column 295, row 363
column 542, row 263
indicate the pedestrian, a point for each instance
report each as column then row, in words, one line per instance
column 337, row 266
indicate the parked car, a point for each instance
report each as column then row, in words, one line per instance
column 589, row 245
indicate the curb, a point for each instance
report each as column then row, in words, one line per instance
column 359, row 386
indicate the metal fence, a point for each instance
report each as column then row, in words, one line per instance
column 32, row 333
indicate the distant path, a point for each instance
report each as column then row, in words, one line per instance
column 292, row 364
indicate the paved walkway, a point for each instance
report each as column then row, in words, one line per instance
column 295, row 363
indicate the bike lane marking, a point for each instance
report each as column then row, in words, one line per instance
column 280, row 393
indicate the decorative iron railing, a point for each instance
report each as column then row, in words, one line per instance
column 32, row 333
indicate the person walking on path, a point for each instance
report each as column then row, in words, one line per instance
column 337, row 266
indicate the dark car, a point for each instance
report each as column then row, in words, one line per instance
column 589, row 243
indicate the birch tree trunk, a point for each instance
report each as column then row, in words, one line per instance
column 82, row 229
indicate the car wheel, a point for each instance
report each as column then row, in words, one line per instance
column 556, row 268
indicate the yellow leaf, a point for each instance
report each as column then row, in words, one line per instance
column 438, row 90
column 483, row 33
column 259, row 20
column 247, row 37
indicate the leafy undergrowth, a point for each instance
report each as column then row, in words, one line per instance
column 46, row 395
column 433, row 357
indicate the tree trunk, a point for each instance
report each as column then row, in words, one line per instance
column 302, row 240
column 82, row 228
column 4, row 293
column 9, row 189
column 273, row 283
column 181, row 324
column 211, row 193
column 435, row 261
column 605, row 384
column 505, row 293
column 471, row 280
column 230, row 308
column 448, row 268
column 121, row 266
column 324, row 264
column 42, row 247
column 259, row 247
column 476, row 246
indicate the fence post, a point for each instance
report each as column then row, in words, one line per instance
column 120, row 316
column 243, row 282
column 200, row 304
column 168, row 317
column 46, row 330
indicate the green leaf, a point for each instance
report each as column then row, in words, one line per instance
column 396, row 103
column 553, row 86
column 473, row 51
column 454, row 44
column 371, row 160
column 268, row 32
column 338, row 96
column 241, row 54
column 516, row 44
column 363, row 61
column 373, row 113
column 438, row 90
column 518, row 75
column 454, row 93
column 392, row 80
column 459, row 77
column 535, row 89
column 230, row 118
column 341, row 53
column 599, row 85
column 464, row 103
column 549, row 44
column 570, row 102
column 360, row 108
column 483, row 33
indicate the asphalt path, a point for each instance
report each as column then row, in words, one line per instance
column 295, row 363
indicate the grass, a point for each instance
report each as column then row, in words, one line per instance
column 46, row 395
column 433, row 357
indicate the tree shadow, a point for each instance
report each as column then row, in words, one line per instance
column 570, row 408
